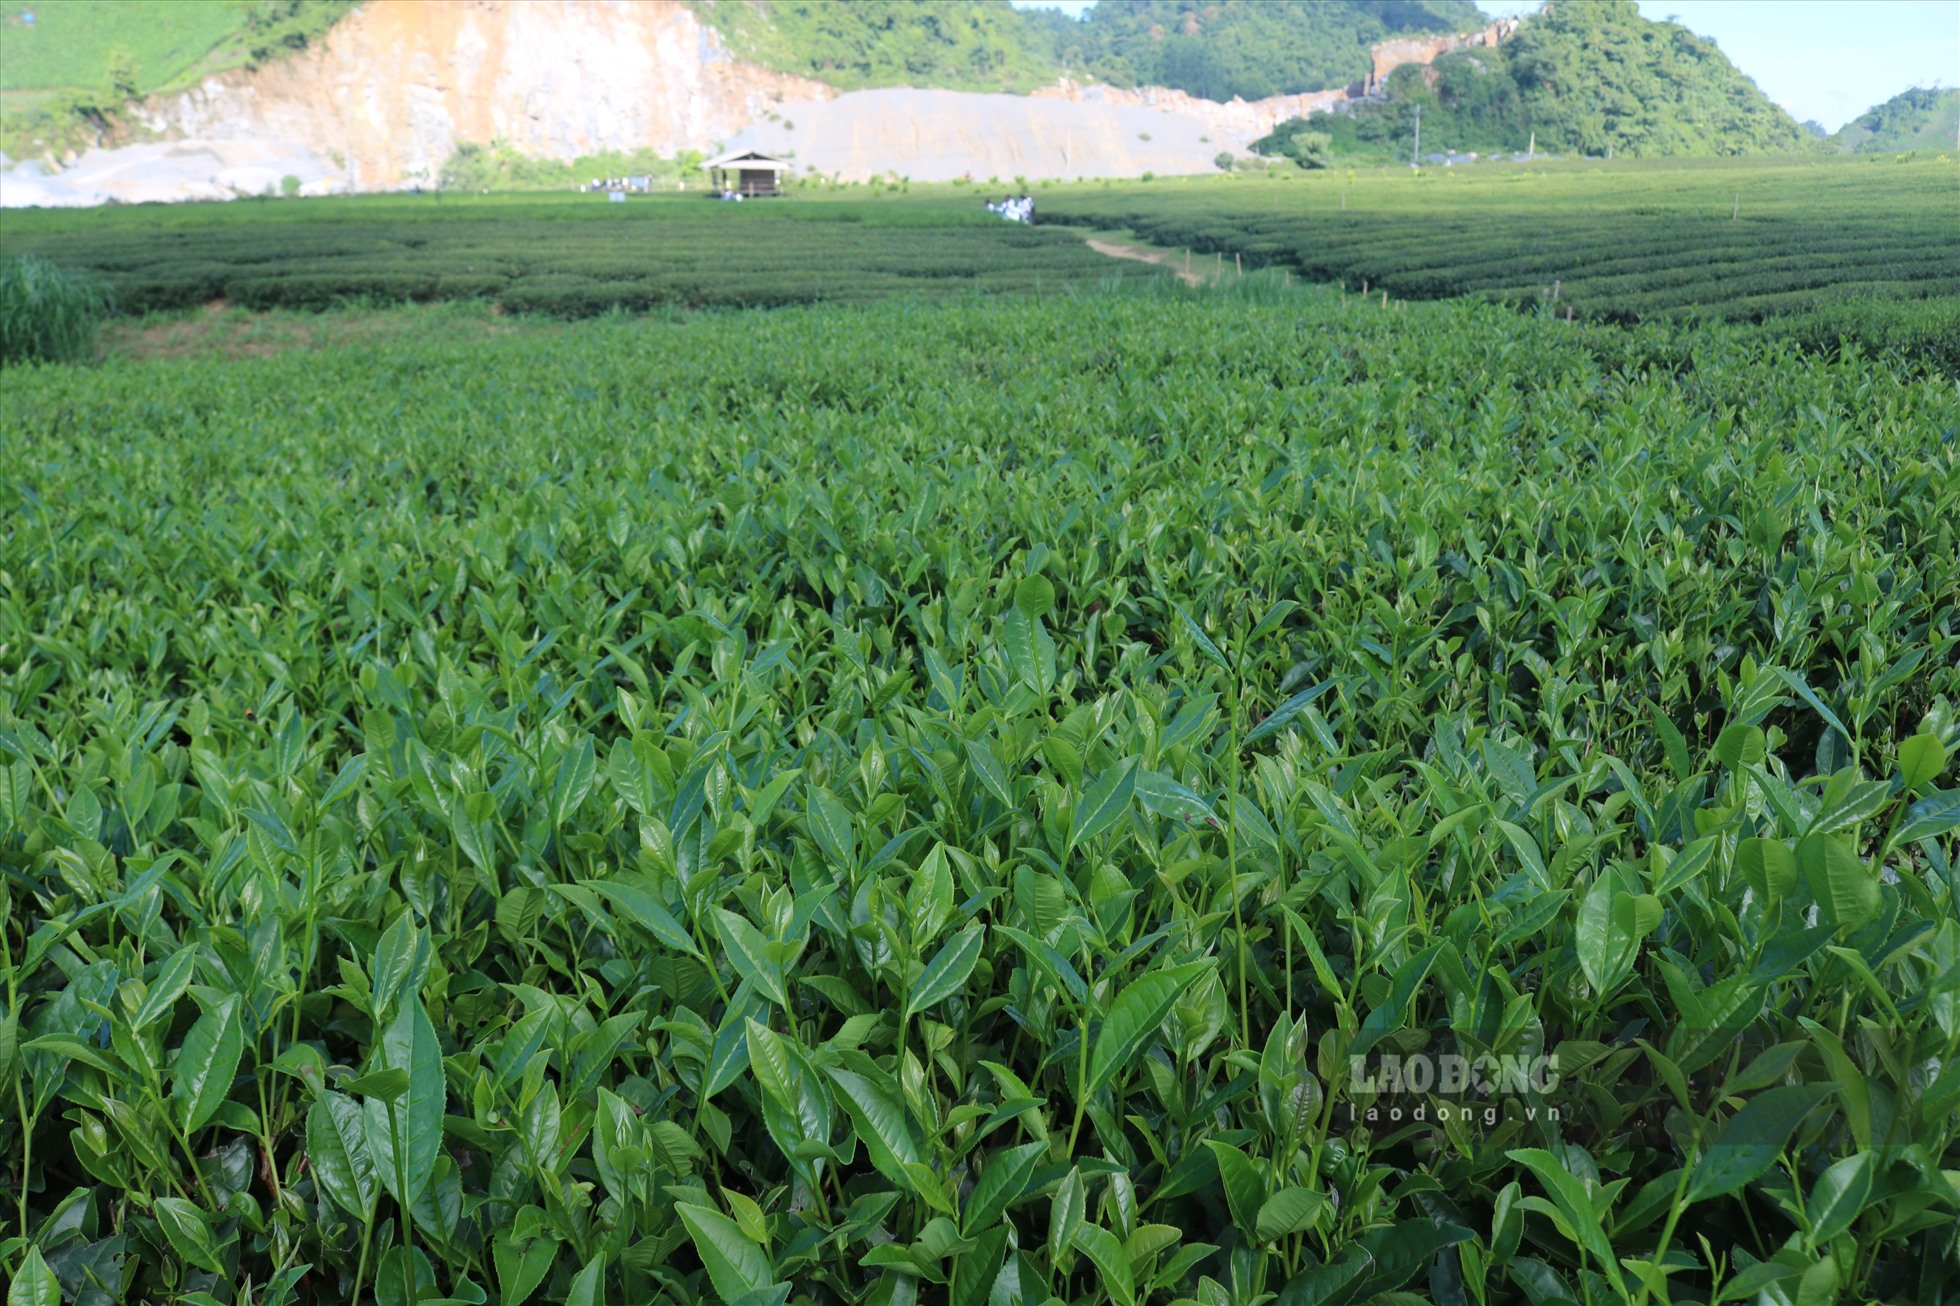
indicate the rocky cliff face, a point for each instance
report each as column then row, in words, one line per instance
column 1390, row 55
column 1234, row 120
column 399, row 84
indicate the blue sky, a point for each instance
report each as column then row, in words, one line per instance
column 1824, row 59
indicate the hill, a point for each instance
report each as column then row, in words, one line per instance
column 1251, row 49
column 1246, row 48
column 1592, row 79
column 71, row 65
column 962, row 45
column 386, row 93
column 1918, row 119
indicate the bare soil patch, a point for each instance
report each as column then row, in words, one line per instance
column 1189, row 275
column 217, row 330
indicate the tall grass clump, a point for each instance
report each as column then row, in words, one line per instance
column 48, row 313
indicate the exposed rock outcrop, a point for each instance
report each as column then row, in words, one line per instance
column 399, row 84
column 1390, row 55
column 1236, row 120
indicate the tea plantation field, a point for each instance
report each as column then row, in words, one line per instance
column 1130, row 797
column 1725, row 238
column 558, row 255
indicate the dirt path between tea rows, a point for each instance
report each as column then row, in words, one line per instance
column 1158, row 256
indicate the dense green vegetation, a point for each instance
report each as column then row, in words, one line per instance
column 968, row 45
column 1794, row 243
column 962, row 802
column 1248, row 48
column 1919, row 119
column 568, row 256
column 1744, row 240
column 1582, row 79
column 67, row 76
column 1251, row 48
column 501, row 166
column 47, row 313
column 1585, row 79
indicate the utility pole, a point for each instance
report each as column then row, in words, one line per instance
column 1415, row 158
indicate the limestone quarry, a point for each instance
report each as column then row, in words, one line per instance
column 396, row 87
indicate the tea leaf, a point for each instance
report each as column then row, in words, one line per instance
column 170, row 985
column 201, row 1074
column 1000, row 1184
column 336, row 1146
column 1034, row 597
column 1751, row 1141
column 404, row 1135
column 34, row 1283
column 1104, row 803
column 736, row 1264
column 1133, row 1019
column 183, row 1224
column 1837, row 1198
column 947, row 971
column 1845, row 889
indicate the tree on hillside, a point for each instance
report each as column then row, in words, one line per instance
column 1597, row 78
column 1253, row 48
column 1923, row 117
column 1590, row 79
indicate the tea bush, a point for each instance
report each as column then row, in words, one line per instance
column 1745, row 240
column 1126, row 798
column 566, row 256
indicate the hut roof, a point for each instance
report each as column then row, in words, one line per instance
column 754, row 159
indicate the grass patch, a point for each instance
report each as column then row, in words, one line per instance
column 48, row 314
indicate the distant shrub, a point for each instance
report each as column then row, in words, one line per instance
column 468, row 285
column 575, row 297
column 289, row 185
column 329, row 290
column 1223, row 161
column 47, row 313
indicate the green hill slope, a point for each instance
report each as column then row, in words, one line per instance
column 1213, row 48
column 1591, row 79
column 69, row 65
column 1249, row 48
column 1918, row 119
column 961, row 45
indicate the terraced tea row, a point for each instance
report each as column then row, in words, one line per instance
column 561, row 256
column 1733, row 239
